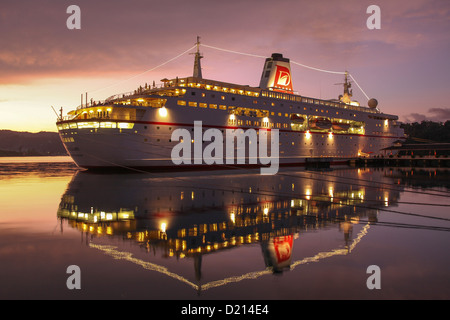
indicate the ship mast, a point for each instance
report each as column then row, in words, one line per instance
column 347, row 85
column 198, row 56
column 346, row 98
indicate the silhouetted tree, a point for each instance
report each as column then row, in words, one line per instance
column 428, row 130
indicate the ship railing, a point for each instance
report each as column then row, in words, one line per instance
column 67, row 117
column 141, row 90
column 315, row 102
column 120, row 96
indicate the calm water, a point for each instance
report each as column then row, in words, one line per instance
column 223, row 235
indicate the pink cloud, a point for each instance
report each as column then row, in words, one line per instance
column 128, row 37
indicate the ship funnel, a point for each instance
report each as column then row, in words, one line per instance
column 277, row 74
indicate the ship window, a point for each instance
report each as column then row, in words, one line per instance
column 125, row 125
column 222, row 97
column 193, row 93
column 107, row 125
column 181, row 102
column 192, row 104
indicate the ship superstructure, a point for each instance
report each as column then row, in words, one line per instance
column 134, row 130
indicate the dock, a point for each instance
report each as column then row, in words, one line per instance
column 409, row 155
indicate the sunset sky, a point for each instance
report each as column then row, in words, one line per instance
column 404, row 65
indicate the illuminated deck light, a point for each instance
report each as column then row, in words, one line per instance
column 162, row 112
column 308, row 194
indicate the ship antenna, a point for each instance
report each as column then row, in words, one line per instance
column 346, row 97
column 347, row 85
column 198, row 56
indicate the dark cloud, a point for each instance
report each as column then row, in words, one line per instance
column 434, row 114
column 441, row 114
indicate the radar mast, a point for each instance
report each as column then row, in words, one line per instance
column 197, row 65
column 347, row 97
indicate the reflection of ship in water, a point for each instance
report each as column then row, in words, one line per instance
column 419, row 177
column 188, row 215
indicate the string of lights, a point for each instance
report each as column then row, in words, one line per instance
column 229, row 51
column 146, row 71
column 293, row 62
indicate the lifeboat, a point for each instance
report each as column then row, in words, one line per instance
column 341, row 126
column 320, row 123
column 296, row 118
column 356, row 125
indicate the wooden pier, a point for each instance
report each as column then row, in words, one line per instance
column 402, row 161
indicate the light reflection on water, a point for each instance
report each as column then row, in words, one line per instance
column 223, row 235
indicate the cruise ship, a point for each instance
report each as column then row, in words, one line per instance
column 141, row 129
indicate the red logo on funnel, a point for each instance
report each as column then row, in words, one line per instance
column 283, row 248
column 283, row 80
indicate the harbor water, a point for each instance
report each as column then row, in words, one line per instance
column 336, row 233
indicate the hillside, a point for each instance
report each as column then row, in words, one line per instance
column 14, row 143
column 427, row 131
